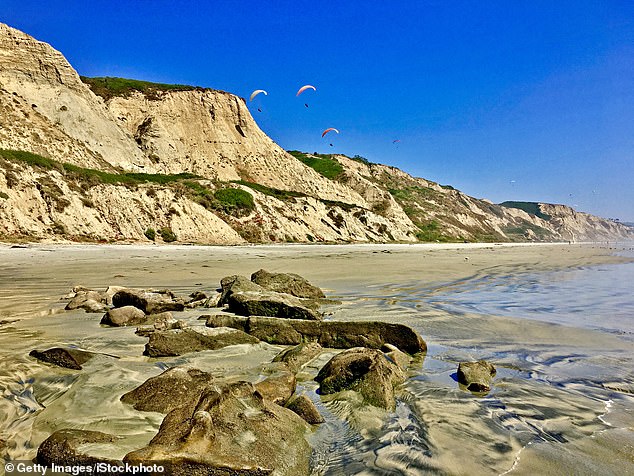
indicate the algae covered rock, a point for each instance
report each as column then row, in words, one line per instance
column 366, row 371
column 477, row 376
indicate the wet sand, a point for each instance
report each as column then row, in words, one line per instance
column 547, row 410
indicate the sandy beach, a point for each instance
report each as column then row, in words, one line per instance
column 560, row 387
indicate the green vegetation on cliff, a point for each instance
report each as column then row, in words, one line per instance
column 528, row 207
column 323, row 164
column 108, row 87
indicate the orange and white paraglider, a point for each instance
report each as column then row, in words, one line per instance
column 256, row 92
column 330, row 129
column 304, row 88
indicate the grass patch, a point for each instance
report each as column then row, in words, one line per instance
column 528, row 207
column 34, row 160
column 109, row 87
column 323, row 164
column 234, row 201
column 430, row 232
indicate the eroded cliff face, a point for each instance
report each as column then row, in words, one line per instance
column 41, row 77
column 212, row 134
column 45, row 108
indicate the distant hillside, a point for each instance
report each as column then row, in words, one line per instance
column 111, row 159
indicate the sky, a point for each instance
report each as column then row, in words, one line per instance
column 505, row 100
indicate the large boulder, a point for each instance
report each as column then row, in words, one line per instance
column 235, row 284
column 150, row 302
column 476, row 376
column 231, row 430
column 271, row 304
column 288, row 283
column 123, row 316
column 182, row 341
column 63, row 357
column 334, row 334
column 64, row 448
column 297, row 356
column 305, row 408
column 366, row 371
column 173, row 388
column 279, row 386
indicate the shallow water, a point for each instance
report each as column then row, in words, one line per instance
column 562, row 400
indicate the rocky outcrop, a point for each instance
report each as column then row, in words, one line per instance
column 279, row 385
column 231, row 430
column 235, row 284
column 123, row 316
column 174, row 388
column 288, row 283
column 305, row 408
column 476, row 376
column 182, row 341
column 271, row 304
column 366, row 371
column 64, row 448
column 150, row 302
column 297, row 356
column 334, row 334
column 63, row 357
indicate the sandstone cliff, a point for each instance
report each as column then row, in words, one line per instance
column 190, row 164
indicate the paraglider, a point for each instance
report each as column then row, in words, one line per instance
column 306, row 104
column 330, row 129
column 396, row 141
column 304, row 88
column 256, row 92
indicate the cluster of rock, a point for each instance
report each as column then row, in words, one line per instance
column 223, row 425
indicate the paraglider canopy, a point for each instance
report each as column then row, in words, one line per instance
column 304, row 88
column 396, row 140
column 330, row 129
column 256, row 92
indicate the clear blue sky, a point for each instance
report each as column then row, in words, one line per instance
column 514, row 100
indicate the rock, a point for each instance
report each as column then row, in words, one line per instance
column 90, row 301
column 173, row 388
column 197, row 296
column 333, row 334
column 397, row 356
column 182, row 341
column 63, row 448
column 288, row 283
column 110, row 292
column 163, row 322
column 197, row 299
column 150, row 302
column 279, row 386
column 271, row 304
column 123, row 316
column 235, row 284
column 232, row 430
column 212, row 301
column 63, row 357
column 366, row 371
column 305, row 408
column 299, row 355
column 476, row 376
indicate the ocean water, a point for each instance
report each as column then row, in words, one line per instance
column 562, row 401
